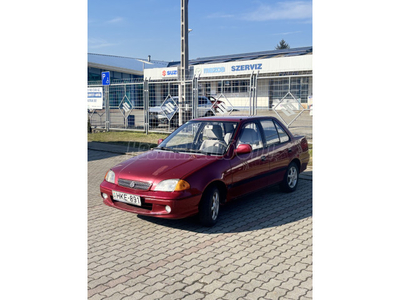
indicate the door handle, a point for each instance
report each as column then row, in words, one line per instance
column 263, row 158
column 289, row 150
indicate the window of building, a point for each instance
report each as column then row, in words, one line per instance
column 233, row 86
column 299, row 88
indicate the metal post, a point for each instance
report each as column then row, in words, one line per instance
column 255, row 94
column 107, row 100
column 251, row 94
column 184, row 56
column 195, row 97
column 146, row 100
column 181, row 95
column 125, row 112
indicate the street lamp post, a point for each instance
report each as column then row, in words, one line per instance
column 184, row 57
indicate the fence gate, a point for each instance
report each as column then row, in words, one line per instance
column 153, row 105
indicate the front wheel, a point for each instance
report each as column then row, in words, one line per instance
column 209, row 207
column 289, row 183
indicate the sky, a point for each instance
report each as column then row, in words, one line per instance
column 137, row 28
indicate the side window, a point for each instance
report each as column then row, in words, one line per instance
column 282, row 134
column 251, row 135
column 271, row 135
column 229, row 129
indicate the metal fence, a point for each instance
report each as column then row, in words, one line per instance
column 154, row 106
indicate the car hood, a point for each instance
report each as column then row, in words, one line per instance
column 157, row 165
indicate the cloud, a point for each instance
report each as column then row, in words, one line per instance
column 220, row 15
column 286, row 33
column 98, row 43
column 281, row 11
column 115, row 20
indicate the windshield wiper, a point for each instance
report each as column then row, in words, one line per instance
column 212, row 153
column 167, row 149
column 189, row 150
column 177, row 150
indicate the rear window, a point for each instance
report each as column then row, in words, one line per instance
column 270, row 133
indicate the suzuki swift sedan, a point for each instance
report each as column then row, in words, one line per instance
column 204, row 163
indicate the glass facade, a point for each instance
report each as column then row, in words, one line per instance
column 94, row 74
column 299, row 88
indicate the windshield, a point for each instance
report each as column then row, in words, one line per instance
column 206, row 137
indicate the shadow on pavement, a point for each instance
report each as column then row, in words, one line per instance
column 267, row 208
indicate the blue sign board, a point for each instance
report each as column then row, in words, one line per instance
column 105, row 77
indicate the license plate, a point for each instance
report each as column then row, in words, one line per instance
column 127, row 198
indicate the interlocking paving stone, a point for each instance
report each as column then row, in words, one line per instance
column 261, row 247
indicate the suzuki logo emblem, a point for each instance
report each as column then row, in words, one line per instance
column 288, row 109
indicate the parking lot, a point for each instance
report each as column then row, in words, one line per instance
column 261, row 247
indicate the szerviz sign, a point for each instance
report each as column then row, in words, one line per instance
column 246, row 67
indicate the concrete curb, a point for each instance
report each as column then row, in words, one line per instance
column 113, row 148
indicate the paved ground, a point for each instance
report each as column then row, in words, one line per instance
column 261, row 248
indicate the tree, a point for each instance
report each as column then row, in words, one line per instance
column 282, row 45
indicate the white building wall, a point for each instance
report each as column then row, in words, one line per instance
column 216, row 73
column 246, row 67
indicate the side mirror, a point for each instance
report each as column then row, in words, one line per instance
column 243, row 149
column 160, row 141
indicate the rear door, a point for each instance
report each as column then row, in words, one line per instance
column 277, row 143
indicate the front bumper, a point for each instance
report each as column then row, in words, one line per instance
column 182, row 204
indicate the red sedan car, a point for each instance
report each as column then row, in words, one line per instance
column 204, row 163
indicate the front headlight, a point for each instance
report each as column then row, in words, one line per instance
column 172, row 185
column 110, row 177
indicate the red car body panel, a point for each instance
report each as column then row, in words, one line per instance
column 156, row 165
column 237, row 174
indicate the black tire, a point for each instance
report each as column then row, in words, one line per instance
column 291, row 179
column 209, row 207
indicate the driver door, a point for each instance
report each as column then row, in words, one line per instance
column 247, row 169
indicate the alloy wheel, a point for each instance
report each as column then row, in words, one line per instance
column 215, row 206
column 292, row 177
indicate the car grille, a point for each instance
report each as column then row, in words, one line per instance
column 137, row 185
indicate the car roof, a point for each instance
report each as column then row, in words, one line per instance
column 233, row 118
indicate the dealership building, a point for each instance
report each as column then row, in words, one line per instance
column 273, row 74
column 277, row 82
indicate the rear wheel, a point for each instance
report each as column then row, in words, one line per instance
column 289, row 183
column 209, row 207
